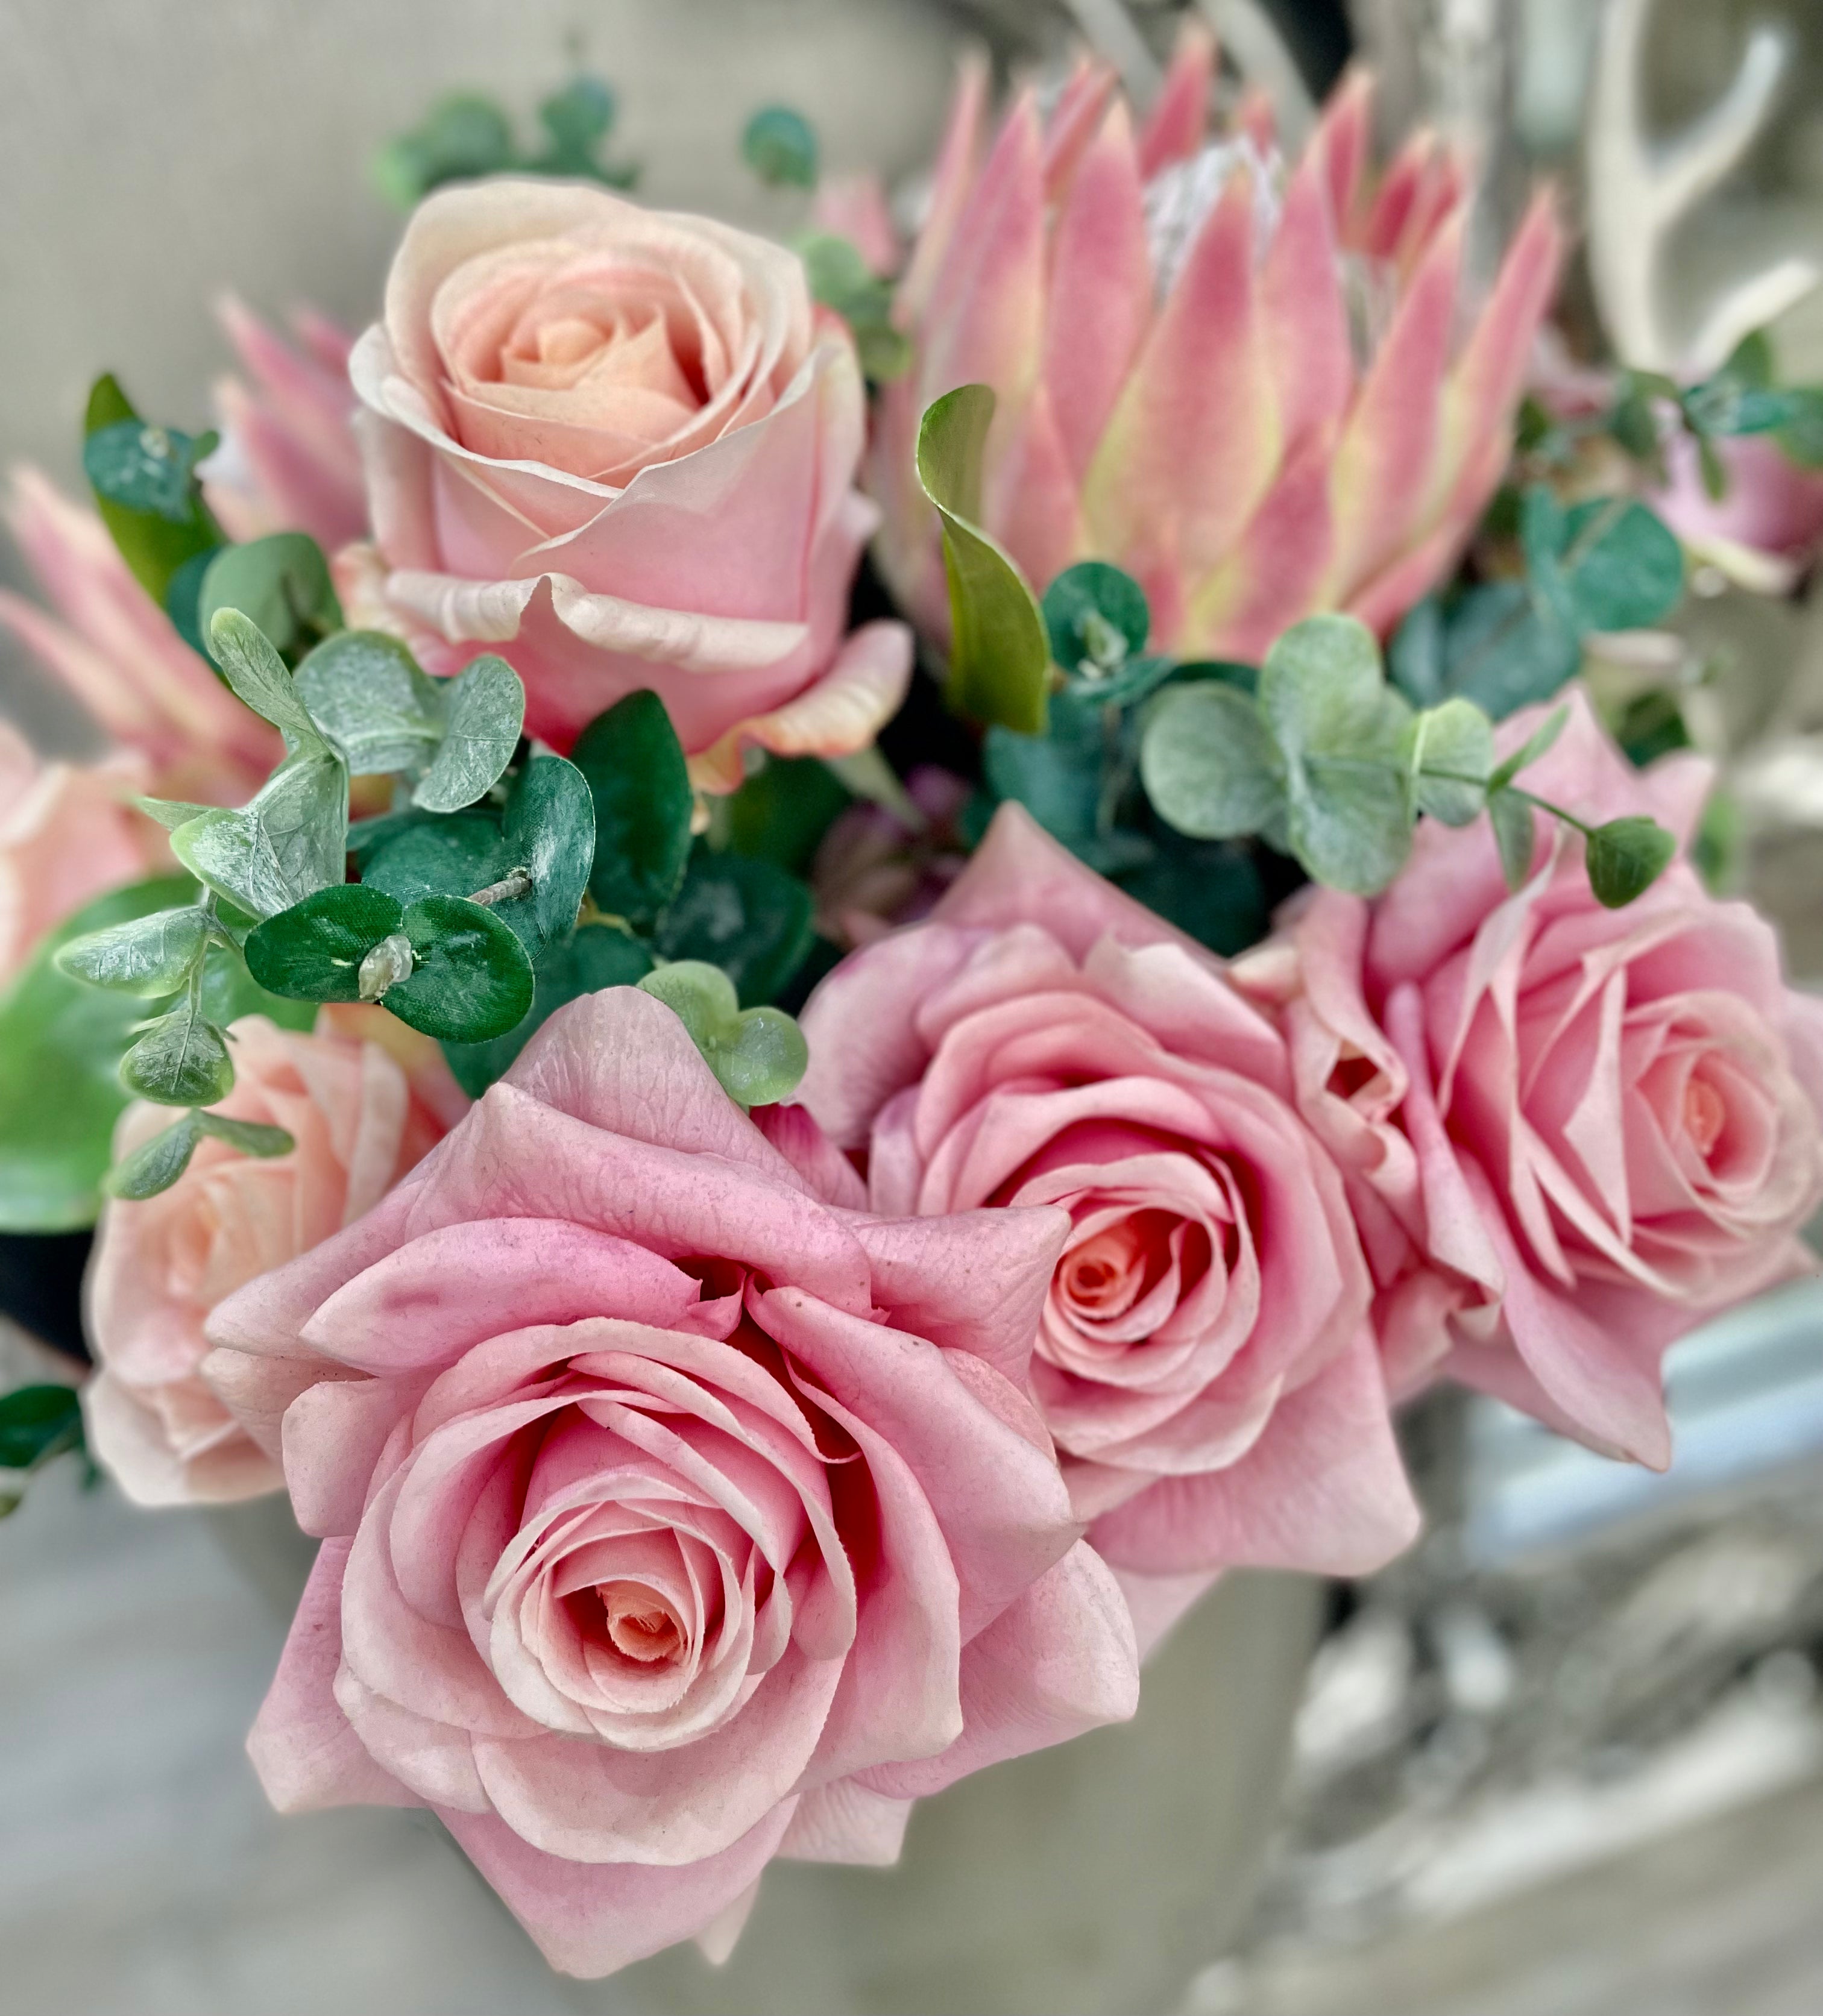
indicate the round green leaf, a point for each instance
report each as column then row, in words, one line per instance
column 779, row 145
column 550, row 832
column 313, row 952
column 758, row 1057
column 1209, row 766
column 1350, row 827
column 640, row 781
column 748, row 917
column 1443, row 745
column 473, row 979
column 145, row 468
column 485, row 711
column 452, row 855
column 1626, row 857
column 365, row 691
column 286, row 843
column 38, row 1422
column 1622, row 565
column 281, row 582
column 598, row 956
column 180, row 1060
column 1096, row 618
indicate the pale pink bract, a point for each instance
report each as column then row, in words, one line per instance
column 619, row 445
column 364, row 1098
column 1251, row 388
column 673, row 1517
column 1203, row 1356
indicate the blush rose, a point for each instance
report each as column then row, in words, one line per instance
column 619, row 445
column 1203, row 1357
column 363, row 1098
column 673, row 1517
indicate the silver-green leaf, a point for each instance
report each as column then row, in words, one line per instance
column 180, row 1060
column 289, row 842
column 365, row 691
column 1208, row 765
column 486, row 713
column 148, row 955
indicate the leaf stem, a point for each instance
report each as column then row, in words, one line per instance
column 517, row 882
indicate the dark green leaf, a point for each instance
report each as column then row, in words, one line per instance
column 550, row 831
column 38, row 1422
column 485, row 711
column 180, row 1060
column 1651, row 726
column 146, row 955
column 640, row 783
column 1058, row 777
column 154, row 546
column 313, row 952
column 1626, row 857
column 230, row 992
column 473, row 979
column 183, row 597
column 747, row 917
column 1096, row 617
column 779, row 145
column 580, row 117
column 156, row 1164
column 1509, row 648
column 60, row 1042
column 1414, row 659
column 281, row 583
column 1515, row 834
column 450, row 856
column 782, row 812
column 598, row 956
column 364, row 691
column 1000, row 654
column 1622, row 565
column 146, row 470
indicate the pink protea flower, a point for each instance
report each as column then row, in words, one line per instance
column 1243, row 383
column 121, row 657
column 288, row 461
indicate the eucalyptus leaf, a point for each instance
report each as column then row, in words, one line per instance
column 597, row 955
column 315, row 951
column 144, row 468
column 156, row 1164
column 450, row 856
column 1541, row 738
column 248, row 1137
column 250, row 664
column 60, row 1044
column 1351, row 826
column 841, row 279
column 782, row 812
column 1622, row 563
column 1096, row 617
column 1626, row 857
column 1057, row 776
column 180, row 1060
column 1509, row 646
column 153, row 545
column 473, row 979
column 1208, row 765
column 183, row 597
column 280, row 582
column 758, row 1056
column 779, row 145
column 1444, row 746
column 999, row 653
column 747, row 917
column 1415, row 661
column 286, row 843
column 145, row 956
column 640, row 781
column 170, row 813
column 485, row 714
column 365, row 691
column 550, row 831
column 1516, row 833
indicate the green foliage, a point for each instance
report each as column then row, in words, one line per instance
column 315, row 951
column 1625, row 858
column 364, row 691
column 280, row 583
column 37, row 1424
column 438, row 857
column 597, row 955
column 467, row 135
column 550, row 832
column 779, row 145
column 1449, row 752
column 180, row 1059
column 1209, row 764
column 782, row 812
column 758, row 1056
column 484, row 715
column 149, row 956
column 156, row 1164
column 285, row 844
column 1651, row 726
column 146, row 489
column 640, row 781
column 1515, row 832
column 841, row 279
column 999, row 653
column 60, row 1044
column 1096, row 618
column 471, row 979
column 745, row 916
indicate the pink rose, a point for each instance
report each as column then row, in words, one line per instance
column 67, row 835
column 620, row 446
column 1203, row 1357
column 364, row 1098
column 674, row 1518
column 873, row 870
column 1596, row 1126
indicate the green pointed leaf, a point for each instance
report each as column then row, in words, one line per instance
column 364, row 691
column 286, row 844
column 473, row 979
column 156, row 1164
column 38, row 1422
column 170, row 813
column 1626, row 857
column 1443, row 745
column 248, row 1137
column 486, row 713
column 313, row 951
column 1515, row 834
column 640, row 781
column 779, row 145
column 281, row 583
column 747, row 917
column 758, row 1057
column 1535, row 745
column 145, row 956
column 182, row 1059
column 251, row 664
column 598, row 956
column 1208, row 764
column 999, row 653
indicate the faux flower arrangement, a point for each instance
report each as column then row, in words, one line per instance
column 725, row 1426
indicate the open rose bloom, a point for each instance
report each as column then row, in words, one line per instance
column 1574, row 1131
column 619, row 446
column 1256, row 389
column 1203, row 1357
column 674, row 1518
column 363, row 1098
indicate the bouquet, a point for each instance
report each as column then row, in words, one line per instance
column 786, row 1157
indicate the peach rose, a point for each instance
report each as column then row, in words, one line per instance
column 1203, row 1357
column 364, row 1098
column 1594, row 1127
column 67, row 835
column 619, row 447
column 673, row 1517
